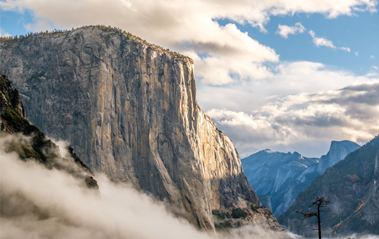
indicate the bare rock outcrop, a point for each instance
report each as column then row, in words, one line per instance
column 29, row 143
column 129, row 110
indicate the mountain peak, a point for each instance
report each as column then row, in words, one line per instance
column 267, row 172
column 343, row 143
column 347, row 184
column 338, row 150
column 296, row 153
column 88, row 29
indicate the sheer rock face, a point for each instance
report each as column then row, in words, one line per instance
column 9, row 97
column 29, row 143
column 129, row 110
column 338, row 151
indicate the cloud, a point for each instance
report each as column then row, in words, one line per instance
column 47, row 203
column 217, row 70
column 120, row 212
column 4, row 33
column 163, row 14
column 287, row 78
column 284, row 30
column 372, row 57
column 356, row 53
column 319, row 41
column 347, row 49
column 293, row 120
column 188, row 26
column 351, row 113
column 42, row 203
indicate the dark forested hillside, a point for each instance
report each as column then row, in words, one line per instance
column 352, row 187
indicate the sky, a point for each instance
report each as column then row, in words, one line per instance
column 288, row 75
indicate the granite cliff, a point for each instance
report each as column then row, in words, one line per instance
column 351, row 186
column 129, row 110
column 29, row 143
column 282, row 176
column 338, row 150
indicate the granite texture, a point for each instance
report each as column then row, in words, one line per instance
column 129, row 110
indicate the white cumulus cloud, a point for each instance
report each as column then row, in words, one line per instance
column 301, row 122
column 4, row 33
column 320, row 41
column 287, row 113
column 347, row 49
column 287, row 78
column 188, row 25
column 285, row 30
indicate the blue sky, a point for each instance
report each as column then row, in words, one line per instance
column 359, row 32
column 12, row 23
column 261, row 89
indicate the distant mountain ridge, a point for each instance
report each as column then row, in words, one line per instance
column 282, row 176
column 351, row 186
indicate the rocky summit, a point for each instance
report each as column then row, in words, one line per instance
column 279, row 177
column 129, row 110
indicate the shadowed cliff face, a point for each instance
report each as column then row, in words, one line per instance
column 18, row 136
column 129, row 109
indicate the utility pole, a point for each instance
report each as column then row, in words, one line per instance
column 320, row 202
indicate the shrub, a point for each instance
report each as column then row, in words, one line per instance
column 253, row 208
column 238, row 213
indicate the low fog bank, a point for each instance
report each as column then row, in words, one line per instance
column 353, row 236
column 40, row 203
column 37, row 202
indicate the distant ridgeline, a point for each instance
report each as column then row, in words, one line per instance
column 351, row 186
column 278, row 178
